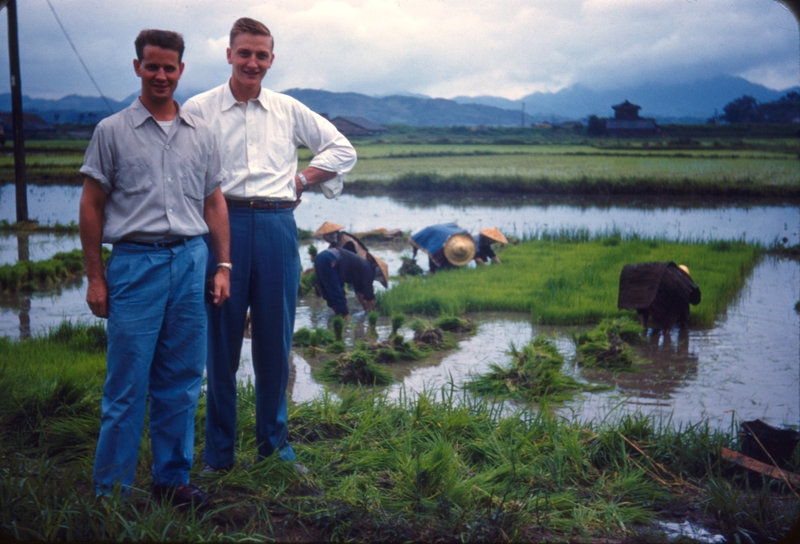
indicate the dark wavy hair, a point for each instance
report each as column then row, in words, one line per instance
column 165, row 39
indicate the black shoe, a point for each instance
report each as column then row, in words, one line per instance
column 182, row 495
column 209, row 469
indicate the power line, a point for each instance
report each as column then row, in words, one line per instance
column 64, row 30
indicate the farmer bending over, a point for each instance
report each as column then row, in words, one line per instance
column 335, row 267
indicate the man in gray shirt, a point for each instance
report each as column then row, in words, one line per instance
column 152, row 189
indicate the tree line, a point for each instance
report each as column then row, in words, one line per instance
column 748, row 110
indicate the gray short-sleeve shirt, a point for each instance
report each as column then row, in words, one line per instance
column 156, row 182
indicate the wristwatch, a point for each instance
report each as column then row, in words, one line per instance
column 229, row 266
column 303, row 180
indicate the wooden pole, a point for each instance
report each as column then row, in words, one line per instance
column 16, row 113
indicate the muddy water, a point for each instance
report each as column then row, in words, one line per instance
column 747, row 364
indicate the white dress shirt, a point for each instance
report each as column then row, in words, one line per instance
column 258, row 142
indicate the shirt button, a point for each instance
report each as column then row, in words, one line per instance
column 167, row 146
column 170, row 210
column 169, row 178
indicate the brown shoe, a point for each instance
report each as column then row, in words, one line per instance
column 182, row 495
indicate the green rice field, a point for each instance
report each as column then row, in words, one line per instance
column 541, row 163
column 570, row 279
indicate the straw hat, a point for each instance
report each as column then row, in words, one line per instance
column 459, row 249
column 685, row 269
column 327, row 228
column 493, row 233
column 384, row 280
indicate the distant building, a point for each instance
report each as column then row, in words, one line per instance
column 357, row 126
column 33, row 126
column 626, row 122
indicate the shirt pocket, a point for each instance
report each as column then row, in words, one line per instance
column 193, row 179
column 134, row 176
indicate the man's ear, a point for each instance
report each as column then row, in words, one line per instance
column 136, row 67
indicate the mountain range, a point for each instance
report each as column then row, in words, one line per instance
column 694, row 102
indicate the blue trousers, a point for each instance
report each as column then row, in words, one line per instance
column 265, row 278
column 156, row 342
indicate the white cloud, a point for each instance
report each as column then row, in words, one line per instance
column 439, row 47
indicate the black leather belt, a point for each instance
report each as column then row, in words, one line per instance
column 157, row 245
column 261, row 204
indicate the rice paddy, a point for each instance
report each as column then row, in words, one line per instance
column 445, row 465
column 535, row 162
column 571, row 279
column 440, row 466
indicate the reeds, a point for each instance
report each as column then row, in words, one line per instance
column 571, row 278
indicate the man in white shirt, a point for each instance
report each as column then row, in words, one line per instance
column 259, row 132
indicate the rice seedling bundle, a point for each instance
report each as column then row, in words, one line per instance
column 609, row 344
column 355, row 368
column 533, row 374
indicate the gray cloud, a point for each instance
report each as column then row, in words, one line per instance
column 438, row 47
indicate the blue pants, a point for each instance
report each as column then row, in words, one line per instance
column 156, row 341
column 265, row 278
column 330, row 284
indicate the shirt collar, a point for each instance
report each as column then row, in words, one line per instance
column 228, row 100
column 141, row 114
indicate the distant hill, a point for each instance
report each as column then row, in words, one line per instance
column 679, row 103
column 692, row 102
column 410, row 110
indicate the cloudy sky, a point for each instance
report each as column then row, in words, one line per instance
column 441, row 48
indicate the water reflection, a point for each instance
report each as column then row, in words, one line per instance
column 746, row 364
column 24, row 302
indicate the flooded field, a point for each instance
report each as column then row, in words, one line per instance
column 747, row 364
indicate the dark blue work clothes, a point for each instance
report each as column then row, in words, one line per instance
column 483, row 248
column 265, row 279
column 335, row 267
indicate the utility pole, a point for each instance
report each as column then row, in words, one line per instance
column 16, row 110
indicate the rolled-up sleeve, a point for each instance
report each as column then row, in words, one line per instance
column 332, row 151
column 98, row 161
column 215, row 174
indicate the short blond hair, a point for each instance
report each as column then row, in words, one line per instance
column 246, row 25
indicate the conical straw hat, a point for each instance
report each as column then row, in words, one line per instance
column 459, row 249
column 384, row 269
column 327, row 228
column 493, row 233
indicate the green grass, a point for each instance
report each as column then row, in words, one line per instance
column 570, row 279
column 441, row 466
